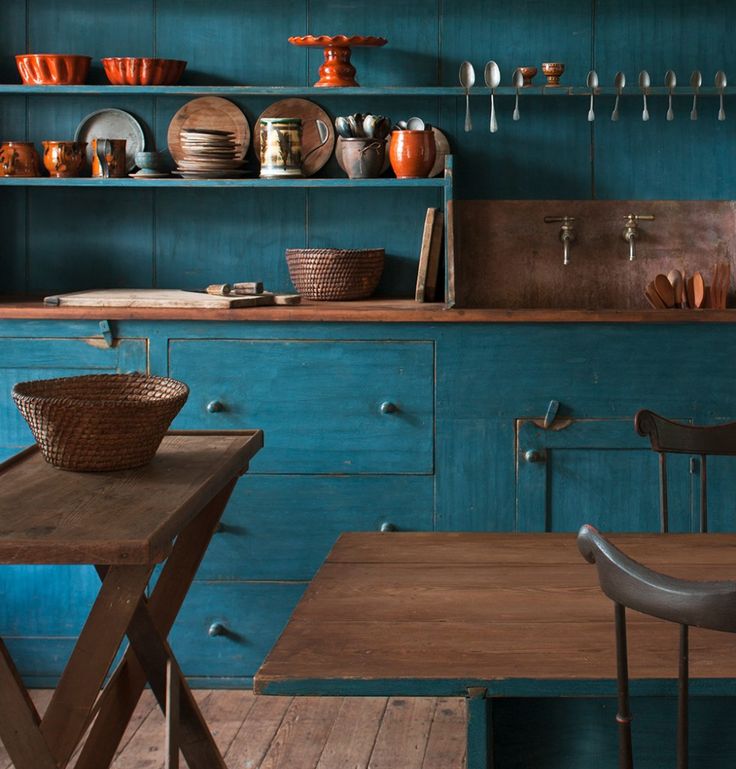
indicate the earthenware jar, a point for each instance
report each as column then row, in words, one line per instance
column 19, row 159
column 64, row 159
column 108, row 158
column 412, row 153
column 363, row 158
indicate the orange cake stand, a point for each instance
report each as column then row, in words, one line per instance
column 336, row 70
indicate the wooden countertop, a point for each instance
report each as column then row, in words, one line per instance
column 431, row 612
column 372, row 311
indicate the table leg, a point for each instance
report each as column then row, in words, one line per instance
column 123, row 690
column 480, row 738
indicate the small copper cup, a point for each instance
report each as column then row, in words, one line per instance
column 64, row 159
column 553, row 72
column 528, row 73
column 19, row 159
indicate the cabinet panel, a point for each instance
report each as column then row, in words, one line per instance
column 251, row 615
column 595, row 471
column 22, row 359
column 325, row 407
column 282, row 527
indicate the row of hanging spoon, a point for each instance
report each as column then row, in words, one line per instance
column 492, row 78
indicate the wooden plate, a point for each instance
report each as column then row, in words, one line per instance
column 211, row 112
column 309, row 112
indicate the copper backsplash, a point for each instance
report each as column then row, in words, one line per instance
column 508, row 257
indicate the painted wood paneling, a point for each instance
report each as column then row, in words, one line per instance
column 282, row 527
column 329, row 394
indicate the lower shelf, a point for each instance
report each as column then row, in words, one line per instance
column 18, row 181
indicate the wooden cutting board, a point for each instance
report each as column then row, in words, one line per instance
column 155, row 297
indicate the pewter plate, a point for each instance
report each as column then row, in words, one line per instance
column 112, row 124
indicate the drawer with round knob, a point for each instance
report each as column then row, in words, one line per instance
column 325, row 406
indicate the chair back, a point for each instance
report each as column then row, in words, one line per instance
column 668, row 437
column 629, row 584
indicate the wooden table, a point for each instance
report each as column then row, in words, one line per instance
column 123, row 523
column 486, row 616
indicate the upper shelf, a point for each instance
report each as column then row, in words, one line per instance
column 86, row 181
column 284, row 90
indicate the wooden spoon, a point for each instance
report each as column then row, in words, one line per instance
column 725, row 283
column 665, row 290
column 675, row 278
column 654, row 299
column 698, row 290
column 690, row 293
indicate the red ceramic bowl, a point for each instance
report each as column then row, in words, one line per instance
column 52, row 68
column 129, row 70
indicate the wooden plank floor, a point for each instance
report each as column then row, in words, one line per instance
column 305, row 732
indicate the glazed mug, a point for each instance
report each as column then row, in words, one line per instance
column 19, row 159
column 281, row 146
column 108, row 158
column 363, row 158
column 64, row 159
column 412, row 153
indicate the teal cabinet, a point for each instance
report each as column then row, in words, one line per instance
column 325, row 406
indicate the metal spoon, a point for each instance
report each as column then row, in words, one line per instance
column 620, row 83
column 644, row 82
column 467, row 81
column 592, row 82
column 492, row 76
column 696, row 80
column 518, row 81
column 721, row 82
column 415, row 124
column 670, row 81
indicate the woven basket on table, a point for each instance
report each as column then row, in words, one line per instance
column 101, row 421
column 335, row 273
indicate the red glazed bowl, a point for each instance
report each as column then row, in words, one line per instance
column 129, row 70
column 52, row 68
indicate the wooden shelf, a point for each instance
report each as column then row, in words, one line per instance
column 255, row 183
column 296, row 90
column 368, row 311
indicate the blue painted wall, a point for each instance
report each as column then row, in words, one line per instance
column 63, row 239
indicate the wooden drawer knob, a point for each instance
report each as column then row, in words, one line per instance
column 214, row 407
column 388, row 408
column 216, row 629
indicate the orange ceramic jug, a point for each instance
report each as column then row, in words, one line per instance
column 19, row 159
column 412, row 153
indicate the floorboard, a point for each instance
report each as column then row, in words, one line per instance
column 304, row 732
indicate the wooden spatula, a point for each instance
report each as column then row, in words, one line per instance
column 698, row 290
column 690, row 293
column 665, row 290
column 675, row 278
column 654, row 299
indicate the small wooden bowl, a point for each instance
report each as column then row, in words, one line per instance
column 52, row 68
column 131, row 70
column 553, row 72
column 528, row 74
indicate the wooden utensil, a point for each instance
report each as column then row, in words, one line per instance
column 698, row 290
column 654, row 299
column 690, row 293
column 675, row 278
column 665, row 290
column 725, row 283
column 309, row 112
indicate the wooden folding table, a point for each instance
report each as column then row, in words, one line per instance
column 485, row 616
column 123, row 523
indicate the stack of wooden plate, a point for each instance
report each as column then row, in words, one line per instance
column 209, row 154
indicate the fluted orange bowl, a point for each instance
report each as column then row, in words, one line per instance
column 52, row 68
column 131, row 70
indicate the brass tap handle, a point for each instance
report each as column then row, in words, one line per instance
column 631, row 218
column 563, row 219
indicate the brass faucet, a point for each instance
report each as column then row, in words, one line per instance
column 631, row 231
column 567, row 233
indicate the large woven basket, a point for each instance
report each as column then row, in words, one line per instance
column 335, row 273
column 102, row 421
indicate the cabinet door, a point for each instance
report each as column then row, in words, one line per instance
column 595, row 471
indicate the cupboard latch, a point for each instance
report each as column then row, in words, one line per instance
column 552, row 409
column 106, row 332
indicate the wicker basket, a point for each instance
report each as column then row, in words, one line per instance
column 100, row 422
column 335, row 273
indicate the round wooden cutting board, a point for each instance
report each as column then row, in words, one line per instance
column 213, row 113
column 309, row 112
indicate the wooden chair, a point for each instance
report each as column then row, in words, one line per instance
column 627, row 583
column 667, row 437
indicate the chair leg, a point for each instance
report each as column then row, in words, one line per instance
column 682, row 700
column 623, row 717
column 664, row 512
